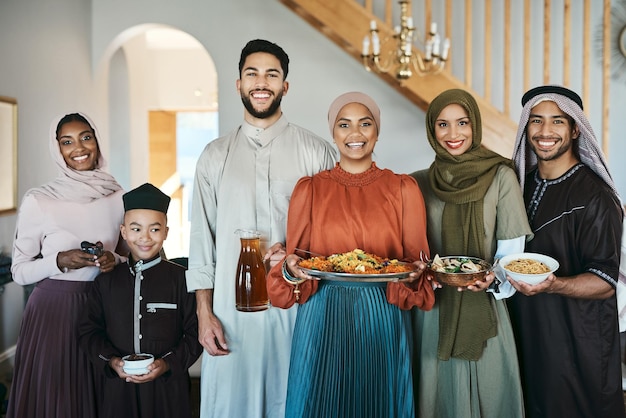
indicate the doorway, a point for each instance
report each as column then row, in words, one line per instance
column 176, row 140
column 163, row 111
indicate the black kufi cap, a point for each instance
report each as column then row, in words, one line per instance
column 146, row 196
column 552, row 89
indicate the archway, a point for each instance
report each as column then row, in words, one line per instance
column 161, row 92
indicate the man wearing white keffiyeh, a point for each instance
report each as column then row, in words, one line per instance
column 566, row 327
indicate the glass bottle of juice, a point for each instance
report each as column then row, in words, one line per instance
column 250, row 291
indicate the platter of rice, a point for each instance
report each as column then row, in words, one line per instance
column 356, row 264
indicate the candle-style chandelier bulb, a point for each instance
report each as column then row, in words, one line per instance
column 403, row 60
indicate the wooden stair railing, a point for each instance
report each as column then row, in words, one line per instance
column 346, row 22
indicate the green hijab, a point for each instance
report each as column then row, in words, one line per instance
column 466, row 319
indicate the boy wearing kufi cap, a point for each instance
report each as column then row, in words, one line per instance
column 146, row 196
column 143, row 306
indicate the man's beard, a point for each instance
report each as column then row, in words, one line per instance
column 562, row 149
column 263, row 114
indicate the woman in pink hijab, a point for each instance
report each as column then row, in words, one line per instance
column 52, row 376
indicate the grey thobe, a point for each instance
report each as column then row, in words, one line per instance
column 244, row 180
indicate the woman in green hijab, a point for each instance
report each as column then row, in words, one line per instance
column 465, row 357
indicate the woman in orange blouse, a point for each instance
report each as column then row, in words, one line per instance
column 351, row 346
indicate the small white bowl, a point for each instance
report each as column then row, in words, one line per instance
column 138, row 366
column 552, row 264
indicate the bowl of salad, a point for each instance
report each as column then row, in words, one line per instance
column 459, row 271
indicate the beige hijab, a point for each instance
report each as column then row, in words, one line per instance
column 73, row 185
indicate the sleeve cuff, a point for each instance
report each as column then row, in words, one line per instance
column 197, row 279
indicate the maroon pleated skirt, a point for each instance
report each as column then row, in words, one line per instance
column 53, row 377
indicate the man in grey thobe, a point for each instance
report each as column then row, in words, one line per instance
column 244, row 180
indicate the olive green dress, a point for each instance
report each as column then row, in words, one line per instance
column 489, row 387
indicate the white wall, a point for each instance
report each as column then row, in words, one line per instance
column 44, row 64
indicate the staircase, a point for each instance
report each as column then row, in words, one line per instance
column 345, row 22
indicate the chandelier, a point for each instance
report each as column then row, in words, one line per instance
column 401, row 58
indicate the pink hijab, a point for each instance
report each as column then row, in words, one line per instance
column 72, row 185
column 352, row 97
